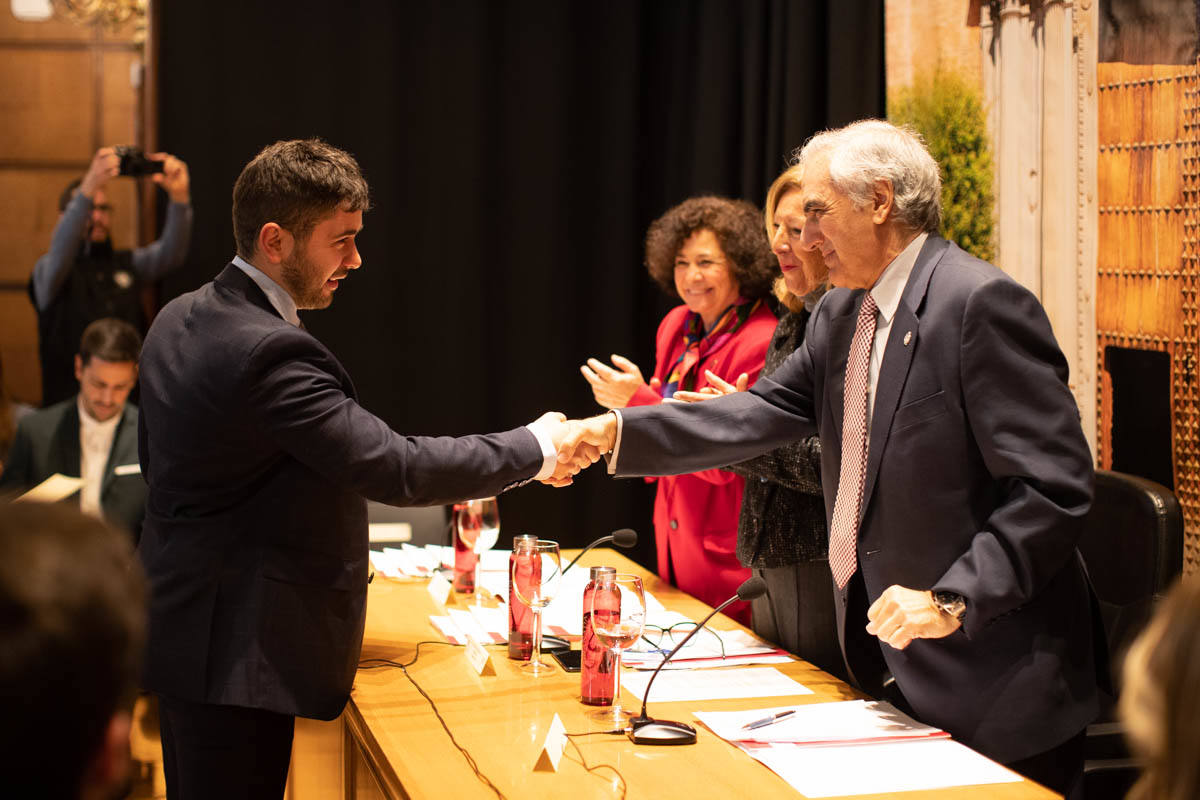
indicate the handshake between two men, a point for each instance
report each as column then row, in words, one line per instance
column 579, row 443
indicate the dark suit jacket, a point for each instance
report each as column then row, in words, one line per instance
column 47, row 442
column 258, row 459
column 978, row 477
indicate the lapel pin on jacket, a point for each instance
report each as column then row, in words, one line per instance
column 907, row 337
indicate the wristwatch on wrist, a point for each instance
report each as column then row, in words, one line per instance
column 951, row 603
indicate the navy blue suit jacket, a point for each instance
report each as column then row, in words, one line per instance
column 258, row 460
column 978, row 478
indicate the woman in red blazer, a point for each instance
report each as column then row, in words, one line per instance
column 710, row 252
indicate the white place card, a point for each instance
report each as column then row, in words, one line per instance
column 439, row 589
column 552, row 748
column 479, row 658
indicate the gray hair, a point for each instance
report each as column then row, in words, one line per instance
column 871, row 150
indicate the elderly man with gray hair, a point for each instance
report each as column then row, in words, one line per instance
column 956, row 474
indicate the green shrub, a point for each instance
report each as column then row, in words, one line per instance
column 948, row 113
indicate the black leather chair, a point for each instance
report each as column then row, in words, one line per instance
column 1132, row 545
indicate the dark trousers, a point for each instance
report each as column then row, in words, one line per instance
column 797, row 613
column 225, row 752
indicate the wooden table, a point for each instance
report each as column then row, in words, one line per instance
column 394, row 745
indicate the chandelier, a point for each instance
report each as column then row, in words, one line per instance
column 111, row 14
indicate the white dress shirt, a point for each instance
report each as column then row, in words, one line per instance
column 95, row 444
column 277, row 296
column 887, row 291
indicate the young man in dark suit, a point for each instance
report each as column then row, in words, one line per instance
column 258, row 459
column 956, row 474
column 93, row 435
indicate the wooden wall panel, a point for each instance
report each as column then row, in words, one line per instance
column 119, row 108
column 18, row 348
column 65, row 90
column 28, row 211
column 1149, row 308
column 1148, row 195
column 47, row 102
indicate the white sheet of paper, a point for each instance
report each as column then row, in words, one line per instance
column 56, row 487
column 894, row 767
column 681, row 685
column 386, row 564
column 449, row 631
column 705, row 644
column 820, row 723
column 468, row 623
column 492, row 620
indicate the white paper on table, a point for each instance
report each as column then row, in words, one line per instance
column 446, row 627
column 894, row 766
column 706, row 644
column 493, row 620
column 494, row 583
column 690, row 685
column 469, row 624
column 56, row 487
column 849, row 721
column 714, row 663
column 442, row 555
column 564, row 615
column 494, row 561
column 412, row 561
column 386, row 564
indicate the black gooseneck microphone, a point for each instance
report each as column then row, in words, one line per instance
column 623, row 538
column 643, row 729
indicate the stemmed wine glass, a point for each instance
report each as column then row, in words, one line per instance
column 618, row 627
column 536, row 577
column 477, row 523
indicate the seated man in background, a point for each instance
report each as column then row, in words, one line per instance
column 93, row 435
column 73, row 602
column 82, row 278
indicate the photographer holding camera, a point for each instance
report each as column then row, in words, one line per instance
column 83, row 278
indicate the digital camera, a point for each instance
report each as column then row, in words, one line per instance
column 134, row 161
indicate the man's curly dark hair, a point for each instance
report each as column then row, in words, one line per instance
column 739, row 230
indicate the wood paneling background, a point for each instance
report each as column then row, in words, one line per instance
column 1147, row 270
column 65, row 90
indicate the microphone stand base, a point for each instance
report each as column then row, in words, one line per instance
column 644, row 730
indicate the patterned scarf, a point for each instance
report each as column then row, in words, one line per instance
column 698, row 343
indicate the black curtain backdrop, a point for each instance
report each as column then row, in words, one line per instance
column 516, row 153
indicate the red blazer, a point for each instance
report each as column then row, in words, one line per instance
column 696, row 515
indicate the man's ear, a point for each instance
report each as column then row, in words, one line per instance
column 275, row 243
column 883, row 201
column 78, row 368
column 109, row 765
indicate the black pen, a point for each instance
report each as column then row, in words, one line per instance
column 765, row 721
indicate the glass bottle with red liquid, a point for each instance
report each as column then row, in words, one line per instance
column 467, row 525
column 598, row 676
column 520, row 618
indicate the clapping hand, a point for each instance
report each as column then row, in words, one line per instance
column 717, row 387
column 613, row 388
